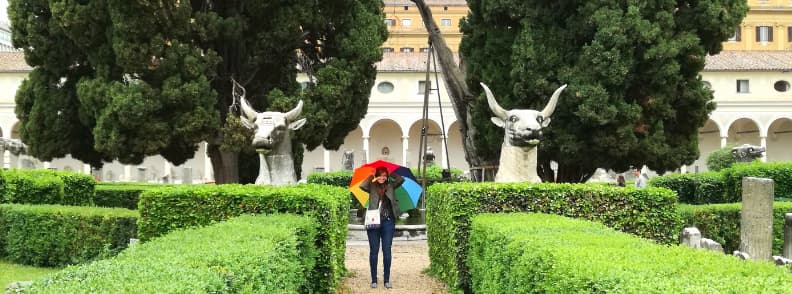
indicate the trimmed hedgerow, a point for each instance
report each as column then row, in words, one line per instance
column 721, row 222
column 78, row 189
column 649, row 213
column 248, row 254
column 338, row 178
column 780, row 172
column 125, row 195
column 537, row 253
column 701, row 188
column 165, row 209
column 32, row 187
column 54, row 235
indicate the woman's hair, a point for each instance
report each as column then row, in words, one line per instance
column 380, row 170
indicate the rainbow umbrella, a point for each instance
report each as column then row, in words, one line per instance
column 407, row 194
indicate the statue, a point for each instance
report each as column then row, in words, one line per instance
column 747, row 153
column 523, row 130
column 348, row 160
column 272, row 141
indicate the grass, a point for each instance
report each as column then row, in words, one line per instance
column 11, row 272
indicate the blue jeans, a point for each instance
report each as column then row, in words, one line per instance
column 384, row 232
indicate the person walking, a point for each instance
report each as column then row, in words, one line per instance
column 382, row 197
column 640, row 179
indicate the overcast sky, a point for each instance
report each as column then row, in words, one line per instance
column 3, row 8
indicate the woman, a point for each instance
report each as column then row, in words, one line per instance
column 620, row 181
column 381, row 196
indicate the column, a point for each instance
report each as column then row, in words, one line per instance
column 443, row 160
column 405, row 145
column 723, row 141
column 756, row 219
column 326, row 155
column 167, row 177
column 683, row 169
column 366, row 149
column 208, row 168
column 87, row 169
column 127, row 173
column 46, row 165
column 763, row 143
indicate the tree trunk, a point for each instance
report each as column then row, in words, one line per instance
column 224, row 164
column 454, row 78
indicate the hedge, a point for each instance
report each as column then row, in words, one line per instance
column 78, row 189
column 649, row 213
column 32, row 187
column 780, row 172
column 343, row 178
column 721, row 222
column 248, row 254
column 54, row 235
column 701, row 188
column 165, row 209
column 535, row 253
column 121, row 194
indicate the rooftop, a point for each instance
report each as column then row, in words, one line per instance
column 13, row 62
column 750, row 61
column 428, row 2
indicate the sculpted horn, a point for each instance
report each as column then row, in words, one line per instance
column 548, row 110
column 496, row 109
column 247, row 112
column 294, row 113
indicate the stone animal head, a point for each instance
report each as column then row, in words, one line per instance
column 523, row 126
column 271, row 127
column 747, row 153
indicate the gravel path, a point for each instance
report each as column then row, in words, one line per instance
column 410, row 260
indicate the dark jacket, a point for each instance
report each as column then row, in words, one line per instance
column 374, row 196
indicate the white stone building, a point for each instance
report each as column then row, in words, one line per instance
column 752, row 90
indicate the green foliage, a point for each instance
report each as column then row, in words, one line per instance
column 53, row 235
column 78, row 189
column 338, row 178
column 121, row 195
column 720, row 159
column 721, row 222
column 127, row 79
column 535, row 253
column 12, row 272
column 32, row 187
column 780, row 172
column 249, row 254
column 649, row 213
column 634, row 97
column 701, row 188
column 165, row 209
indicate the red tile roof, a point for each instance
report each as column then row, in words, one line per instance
column 13, row 62
column 750, row 61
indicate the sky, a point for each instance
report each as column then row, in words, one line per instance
column 3, row 12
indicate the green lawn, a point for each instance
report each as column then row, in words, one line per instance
column 10, row 272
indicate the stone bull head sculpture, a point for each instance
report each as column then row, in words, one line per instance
column 747, row 152
column 272, row 140
column 523, row 128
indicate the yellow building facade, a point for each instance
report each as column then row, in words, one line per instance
column 407, row 32
column 768, row 26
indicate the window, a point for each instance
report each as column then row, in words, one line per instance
column 387, row 49
column 781, row 86
column 422, row 87
column 407, row 49
column 406, row 22
column 406, row 7
column 385, row 87
column 742, row 86
column 764, row 34
column 445, row 8
column 789, row 34
column 737, row 35
column 390, row 22
column 446, row 22
column 424, row 50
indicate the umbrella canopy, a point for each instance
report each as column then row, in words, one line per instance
column 407, row 194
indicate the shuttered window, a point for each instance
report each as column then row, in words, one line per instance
column 764, row 34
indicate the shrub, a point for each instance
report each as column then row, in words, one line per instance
column 53, row 235
column 249, row 254
column 720, row 159
column 78, row 189
column 32, row 187
column 534, row 253
column 338, row 179
column 780, row 172
column 648, row 212
column 721, row 222
column 166, row 209
column 701, row 188
column 121, row 195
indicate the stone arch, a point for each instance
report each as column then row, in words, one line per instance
column 385, row 141
column 744, row 131
column 456, row 151
column 708, row 142
column 779, row 138
column 434, row 140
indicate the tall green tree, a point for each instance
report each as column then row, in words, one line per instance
column 635, row 96
column 128, row 79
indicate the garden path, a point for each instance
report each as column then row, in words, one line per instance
column 410, row 261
